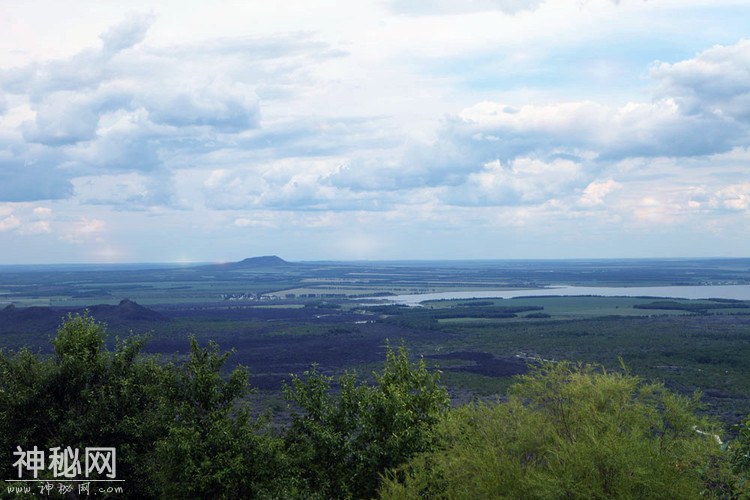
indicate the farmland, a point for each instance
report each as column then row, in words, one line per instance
column 281, row 317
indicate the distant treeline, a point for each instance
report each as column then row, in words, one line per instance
column 483, row 312
column 694, row 307
column 427, row 318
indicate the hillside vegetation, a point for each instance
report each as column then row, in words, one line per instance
column 183, row 429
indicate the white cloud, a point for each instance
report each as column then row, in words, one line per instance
column 221, row 104
column 63, row 117
column 499, row 154
column 37, row 227
column 127, row 33
column 42, row 212
column 735, row 197
column 449, row 7
column 127, row 107
column 9, row 223
column 253, row 222
column 716, row 82
column 413, row 118
column 131, row 191
column 595, row 192
column 523, row 181
column 290, row 184
column 25, row 220
column 83, row 230
column 660, row 128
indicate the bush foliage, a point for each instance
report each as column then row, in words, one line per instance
column 573, row 431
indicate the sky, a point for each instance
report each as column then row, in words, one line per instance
column 196, row 131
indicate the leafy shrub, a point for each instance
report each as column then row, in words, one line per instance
column 571, row 431
column 740, row 452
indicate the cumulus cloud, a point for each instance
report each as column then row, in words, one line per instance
column 595, row 192
column 127, row 107
column 116, row 124
column 83, row 230
column 130, row 143
column 38, row 221
column 62, row 118
column 127, row 33
column 37, row 227
column 576, row 154
column 24, row 219
column 715, row 83
column 523, row 181
column 80, row 72
column 8, row 223
column 585, row 133
column 734, row 198
column 289, row 185
column 42, row 211
column 660, row 128
column 221, row 104
column 501, row 153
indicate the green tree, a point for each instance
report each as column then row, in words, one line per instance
column 84, row 396
column 342, row 441
column 180, row 430
column 571, row 431
column 213, row 448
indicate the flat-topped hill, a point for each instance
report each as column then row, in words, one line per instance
column 263, row 261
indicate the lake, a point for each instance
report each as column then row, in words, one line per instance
column 738, row 292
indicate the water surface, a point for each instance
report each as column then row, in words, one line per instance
column 738, row 292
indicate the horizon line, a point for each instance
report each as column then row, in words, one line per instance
column 364, row 261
